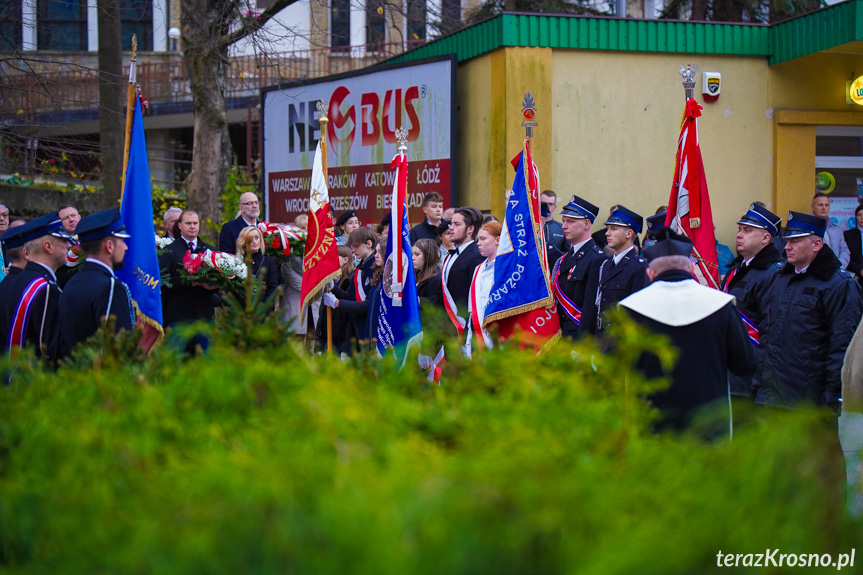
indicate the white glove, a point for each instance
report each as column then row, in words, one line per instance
column 330, row 300
column 331, row 285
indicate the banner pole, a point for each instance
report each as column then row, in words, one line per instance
column 324, row 121
column 131, row 93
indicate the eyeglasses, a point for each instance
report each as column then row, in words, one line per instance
column 255, row 203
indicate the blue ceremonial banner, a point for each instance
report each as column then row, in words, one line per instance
column 399, row 318
column 520, row 282
column 141, row 268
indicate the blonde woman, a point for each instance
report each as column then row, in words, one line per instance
column 250, row 241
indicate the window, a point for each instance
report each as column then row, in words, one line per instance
column 416, row 20
column 839, row 169
column 340, row 25
column 62, row 25
column 375, row 24
column 136, row 17
column 10, row 24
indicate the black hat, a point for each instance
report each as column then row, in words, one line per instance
column 387, row 219
column 760, row 217
column 625, row 217
column 655, row 222
column 101, row 225
column 668, row 243
column 343, row 219
column 47, row 225
column 442, row 227
column 580, row 208
column 800, row 224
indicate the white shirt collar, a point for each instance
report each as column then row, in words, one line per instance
column 50, row 271
column 801, row 270
column 619, row 256
column 101, row 263
column 746, row 262
column 579, row 245
column 254, row 223
column 462, row 247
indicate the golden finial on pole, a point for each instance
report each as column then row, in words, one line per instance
column 134, row 47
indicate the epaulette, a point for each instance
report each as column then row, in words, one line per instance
column 598, row 249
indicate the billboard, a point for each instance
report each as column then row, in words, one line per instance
column 365, row 110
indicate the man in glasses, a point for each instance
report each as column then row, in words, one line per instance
column 250, row 209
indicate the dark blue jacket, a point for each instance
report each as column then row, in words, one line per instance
column 575, row 272
column 742, row 280
column 229, row 234
column 615, row 283
column 43, row 326
column 91, row 294
column 809, row 319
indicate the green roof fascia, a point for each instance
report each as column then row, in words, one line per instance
column 598, row 33
column 829, row 27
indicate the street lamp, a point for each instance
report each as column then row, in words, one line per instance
column 174, row 35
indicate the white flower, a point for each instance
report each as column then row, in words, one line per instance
column 162, row 243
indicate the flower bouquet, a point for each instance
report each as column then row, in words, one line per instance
column 220, row 270
column 281, row 241
column 162, row 243
column 75, row 256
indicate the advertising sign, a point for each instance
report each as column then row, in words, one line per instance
column 365, row 110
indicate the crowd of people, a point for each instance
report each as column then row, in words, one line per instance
column 775, row 334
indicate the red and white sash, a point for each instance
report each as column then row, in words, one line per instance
column 476, row 321
column 449, row 304
column 358, row 285
column 728, row 279
column 18, row 331
column 568, row 306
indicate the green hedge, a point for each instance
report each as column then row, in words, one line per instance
column 274, row 461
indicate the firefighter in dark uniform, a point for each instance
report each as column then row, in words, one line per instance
column 577, row 268
column 624, row 273
column 757, row 262
column 29, row 300
column 94, row 294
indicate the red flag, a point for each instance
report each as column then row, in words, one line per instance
column 321, row 259
column 689, row 205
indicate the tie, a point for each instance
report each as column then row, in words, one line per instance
column 453, row 252
column 192, row 246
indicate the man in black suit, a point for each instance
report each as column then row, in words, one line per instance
column 29, row 300
column 183, row 302
column 460, row 263
column 250, row 209
column 854, row 239
column 622, row 275
column 577, row 268
column 433, row 210
column 93, row 292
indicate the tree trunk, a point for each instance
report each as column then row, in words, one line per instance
column 112, row 91
column 207, row 66
column 699, row 10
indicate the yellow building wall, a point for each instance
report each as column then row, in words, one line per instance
column 616, row 119
column 489, row 131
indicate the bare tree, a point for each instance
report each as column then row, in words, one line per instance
column 209, row 28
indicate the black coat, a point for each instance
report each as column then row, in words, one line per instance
column 423, row 230
column 267, row 266
column 430, row 290
column 229, row 234
column 357, row 311
column 85, row 302
column 745, row 280
column 183, row 301
column 461, row 274
column 615, row 283
column 809, row 319
column 855, row 245
column 575, row 272
column 43, row 325
column 708, row 349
